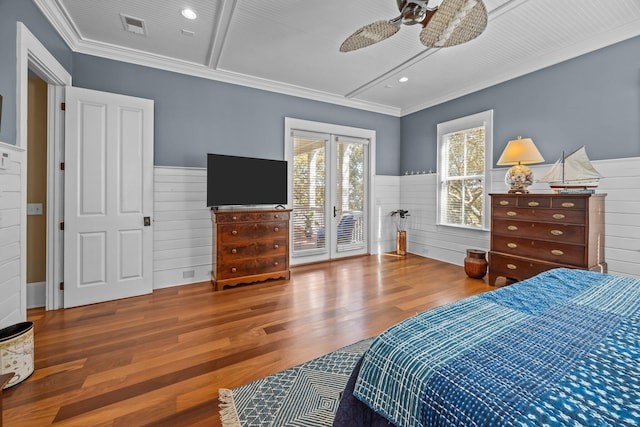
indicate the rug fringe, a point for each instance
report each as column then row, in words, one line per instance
column 228, row 413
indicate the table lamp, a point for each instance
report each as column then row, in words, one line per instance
column 519, row 153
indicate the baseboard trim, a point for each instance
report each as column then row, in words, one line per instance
column 36, row 294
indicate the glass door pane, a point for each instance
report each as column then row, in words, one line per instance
column 350, row 196
column 309, row 194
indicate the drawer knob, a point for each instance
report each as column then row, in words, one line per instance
column 276, row 229
column 276, row 246
column 512, row 228
column 233, row 269
column 512, row 245
column 568, row 204
column 533, row 204
column 276, row 215
column 234, row 218
column 234, row 232
column 558, row 216
column 234, row 251
column 275, row 264
column 557, row 252
column 512, row 267
column 511, row 213
column 504, row 203
column 557, row 232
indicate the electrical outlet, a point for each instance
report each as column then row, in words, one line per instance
column 34, row 208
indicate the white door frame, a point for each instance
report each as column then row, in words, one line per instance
column 328, row 128
column 31, row 54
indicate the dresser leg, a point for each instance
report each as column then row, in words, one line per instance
column 492, row 278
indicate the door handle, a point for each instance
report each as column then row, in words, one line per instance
column 147, row 221
column 335, row 212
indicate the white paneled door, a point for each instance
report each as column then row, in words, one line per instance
column 108, row 240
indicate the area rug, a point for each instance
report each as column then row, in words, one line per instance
column 305, row 395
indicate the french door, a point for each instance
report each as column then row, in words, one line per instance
column 330, row 195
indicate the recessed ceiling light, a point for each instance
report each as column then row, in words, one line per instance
column 403, row 79
column 188, row 13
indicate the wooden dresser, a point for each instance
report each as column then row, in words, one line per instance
column 532, row 233
column 249, row 246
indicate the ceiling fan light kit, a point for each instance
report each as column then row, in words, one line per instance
column 452, row 23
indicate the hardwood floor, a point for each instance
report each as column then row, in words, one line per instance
column 160, row 359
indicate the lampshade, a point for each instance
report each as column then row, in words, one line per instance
column 520, row 152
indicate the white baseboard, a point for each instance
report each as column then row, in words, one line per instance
column 181, row 276
column 36, row 294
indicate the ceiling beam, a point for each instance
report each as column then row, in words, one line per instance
column 220, row 35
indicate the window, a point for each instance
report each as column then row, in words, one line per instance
column 464, row 160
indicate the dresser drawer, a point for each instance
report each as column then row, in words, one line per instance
column 236, row 251
column 515, row 267
column 542, row 215
column 251, row 231
column 565, row 233
column 251, row 216
column 560, row 202
column 561, row 253
column 521, row 201
column 248, row 267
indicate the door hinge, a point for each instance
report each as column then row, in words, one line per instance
column 63, row 106
column 61, row 166
column 62, row 226
column 61, row 287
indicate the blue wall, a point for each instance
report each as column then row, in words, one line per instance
column 12, row 11
column 591, row 100
column 194, row 116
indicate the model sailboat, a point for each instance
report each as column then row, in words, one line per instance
column 573, row 171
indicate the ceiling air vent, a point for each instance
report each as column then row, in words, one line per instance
column 133, row 25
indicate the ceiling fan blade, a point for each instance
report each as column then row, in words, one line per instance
column 455, row 22
column 369, row 34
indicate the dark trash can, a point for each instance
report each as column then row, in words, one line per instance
column 16, row 352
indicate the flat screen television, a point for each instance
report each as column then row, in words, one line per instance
column 235, row 180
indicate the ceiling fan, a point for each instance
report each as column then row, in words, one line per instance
column 453, row 22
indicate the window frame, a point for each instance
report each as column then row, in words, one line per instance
column 482, row 119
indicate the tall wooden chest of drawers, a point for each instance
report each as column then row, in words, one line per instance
column 532, row 233
column 249, row 246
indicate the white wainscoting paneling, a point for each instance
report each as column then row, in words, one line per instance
column 13, row 304
column 182, row 223
column 387, row 197
column 621, row 182
column 182, row 227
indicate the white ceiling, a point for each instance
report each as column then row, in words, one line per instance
column 291, row 46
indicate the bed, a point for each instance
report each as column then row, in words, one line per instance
column 561, row 348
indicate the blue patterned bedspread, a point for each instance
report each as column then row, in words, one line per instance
column 561, row 348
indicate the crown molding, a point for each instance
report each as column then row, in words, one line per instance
column 58, row 18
